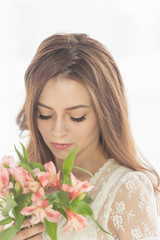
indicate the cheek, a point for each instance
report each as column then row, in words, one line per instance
column 90, row 131
column 43, row 128
column 95, row 131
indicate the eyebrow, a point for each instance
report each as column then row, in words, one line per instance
column 70, row 108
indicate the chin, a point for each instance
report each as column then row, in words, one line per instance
column 61, row 155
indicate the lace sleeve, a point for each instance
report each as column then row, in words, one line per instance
column 133, row 213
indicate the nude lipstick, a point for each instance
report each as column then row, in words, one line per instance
column 60, row 145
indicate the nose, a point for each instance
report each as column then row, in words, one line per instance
column 59, row 128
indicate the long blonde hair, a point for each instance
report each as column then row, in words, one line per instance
column 83, row 59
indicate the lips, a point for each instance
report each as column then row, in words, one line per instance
column 60, row 145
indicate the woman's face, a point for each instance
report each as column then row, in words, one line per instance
column 66, row 118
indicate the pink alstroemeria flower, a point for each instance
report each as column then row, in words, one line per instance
column 25, row 179
column 77, row 187
column 4, row 180
column 40, row 209
column 49, row 178
column 75, row 221
column 8, row 160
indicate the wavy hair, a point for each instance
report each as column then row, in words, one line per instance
column 83, row 59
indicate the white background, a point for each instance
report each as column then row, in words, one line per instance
column 129, row 28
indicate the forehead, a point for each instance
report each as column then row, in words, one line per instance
column 62, row 91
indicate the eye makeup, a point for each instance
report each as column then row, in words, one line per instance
column 43, row 117
column 81, row 119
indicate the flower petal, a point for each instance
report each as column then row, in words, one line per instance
column 40, row 214
column 4, row 180
column 44, row 178
column 18, row 175
column 34, row 220
column 67, row 188
column 28, row 210
column 9, row 160
column 77, row 187
column 52, row 215
column 38, row 195
column 75, row 221
column 83, row 187
column 74, row 180
column 56, row 180
column 50, row 167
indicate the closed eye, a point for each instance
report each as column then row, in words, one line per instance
column 44, row 117
column 78, row 119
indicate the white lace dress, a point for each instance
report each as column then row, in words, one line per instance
column 123, row 203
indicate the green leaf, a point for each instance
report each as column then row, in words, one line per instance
column 2, row 199
column 25, row 154
column 51, row 229
column 22, row 200
column 19, row 220
column 10, row 204
column 8, row 233
column 60, row 209
column 1, row 205
column 16, row 194
column 6, row 221
column 21, row 158
column 81, row 207
column 84, row 170
column 26, row 163
column 102, row 229
column 68, row 165
column 34, row 165
column 5, row 165
column 60, row 198
column 87, row 199
column 11, row 178
column 28, row 168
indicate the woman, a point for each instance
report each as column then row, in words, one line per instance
column 75, row 97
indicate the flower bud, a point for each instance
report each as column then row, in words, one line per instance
column 81, row 196
column 17, row 187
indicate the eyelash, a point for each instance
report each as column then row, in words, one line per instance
column 44, row 117
column 81, row 119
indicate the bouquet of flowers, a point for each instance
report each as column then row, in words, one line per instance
column 23, row 194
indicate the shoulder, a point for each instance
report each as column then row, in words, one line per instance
column 124, row 179
column 135, row 188
column 129, row 210
column 114, row 179
column 134, row 206
column 135, row 182
column 128, row 179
